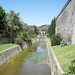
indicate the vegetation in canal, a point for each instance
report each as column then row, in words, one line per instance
column 6, row 46
column 65, row 55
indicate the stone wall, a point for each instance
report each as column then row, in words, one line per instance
column 3, row 39
column 65, row 22
column 9, row 53
column 53, row 62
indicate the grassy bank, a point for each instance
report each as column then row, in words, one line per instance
column 64, row 55
column 6, row 46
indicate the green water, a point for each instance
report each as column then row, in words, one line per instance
column 35, row 54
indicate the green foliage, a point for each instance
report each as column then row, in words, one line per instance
column 72, row 68
column 32, row 36
column 25, row 36
column 56, row 39
column 18, row 41
column 36, row 30
column 3, row 21
column 13, row 19
column 51, row 28
column 11, row 35
column 47, row 34
column 12, row 24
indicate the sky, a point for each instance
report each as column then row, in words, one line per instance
column 34, row 12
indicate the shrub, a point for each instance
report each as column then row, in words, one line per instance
column 33, row 36
column 47, row 35
column 18, row 41
column 56, row 39
column 24, row 36
column 71, row 70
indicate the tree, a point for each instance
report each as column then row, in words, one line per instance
column 48, row 31
column 24, row 26
column 14, row 25
column 36, row 30
column 3, row 21
column 51, row 29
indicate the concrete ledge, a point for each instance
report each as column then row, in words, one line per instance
column 53, row 62
column 9, row 53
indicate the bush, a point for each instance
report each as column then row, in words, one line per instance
column 71, row 70
column 33, row 36
column 24, row 36
column 18, row 41
column 47, row 35
column 56, row 39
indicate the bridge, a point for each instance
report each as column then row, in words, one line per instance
column 41, row 36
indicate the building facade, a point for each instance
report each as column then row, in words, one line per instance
column 65, row 22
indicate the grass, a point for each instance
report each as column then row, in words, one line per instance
column 49, row 40
column 6, row 46
column 64, row 55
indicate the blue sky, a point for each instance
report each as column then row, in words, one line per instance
column 34, row 12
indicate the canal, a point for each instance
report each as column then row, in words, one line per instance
column 31, row 61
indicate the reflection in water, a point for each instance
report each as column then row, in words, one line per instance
column 31, row 61
column 30, row 68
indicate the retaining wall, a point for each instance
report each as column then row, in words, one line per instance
column 9, row 53
column 3, row 39
column 53, row 62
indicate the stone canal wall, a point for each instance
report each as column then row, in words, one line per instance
column 9, row 53
column 53, row 62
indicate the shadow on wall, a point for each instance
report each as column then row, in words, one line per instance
column 28, row 43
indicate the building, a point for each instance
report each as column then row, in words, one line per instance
column 65, row 21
